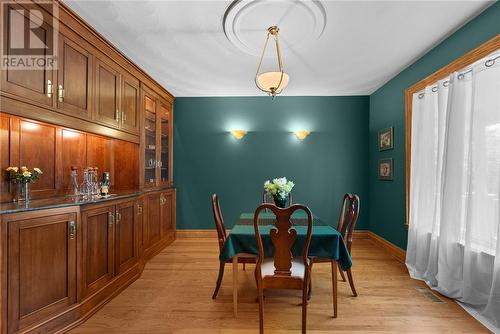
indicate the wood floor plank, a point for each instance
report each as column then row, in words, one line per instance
column 173, row 295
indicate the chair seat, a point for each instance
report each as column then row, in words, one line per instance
column 297, row 269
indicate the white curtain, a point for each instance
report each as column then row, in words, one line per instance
column 454, row 234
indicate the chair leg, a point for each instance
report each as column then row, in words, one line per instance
column 342, row 274
column 261, row 303
column 304, row 301
column 309, row 292
column 219, row 279
column 334, row 287
column 351, row 282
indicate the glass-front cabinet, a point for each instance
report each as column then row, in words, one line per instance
column 157, row 141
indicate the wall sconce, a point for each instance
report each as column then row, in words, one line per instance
column 238, row 134
column 302, row 134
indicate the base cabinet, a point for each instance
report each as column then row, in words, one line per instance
column 61, row 265
column 41, row 269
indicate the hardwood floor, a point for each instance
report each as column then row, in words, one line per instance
column 174, row 296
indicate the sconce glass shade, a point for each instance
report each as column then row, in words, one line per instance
column 238, row 134
column 302, row 134
column 272, row 81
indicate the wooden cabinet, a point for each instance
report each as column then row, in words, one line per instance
column 152, row 225
column 126, row 236
column 130, row 104
column 74, row 82
column 157, row 142
column 107, row 94
column 37, row 84
column 167, row 215
column 41, row 270
column 97, row 248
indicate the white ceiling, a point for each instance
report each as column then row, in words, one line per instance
column 182, row 44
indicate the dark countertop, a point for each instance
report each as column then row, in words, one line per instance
column 65, row 201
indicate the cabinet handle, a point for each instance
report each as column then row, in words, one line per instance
column 162, row 200
column 124, row 117
column 117, row 116
column 60, row 93
column 111, row 218
column 72, row 229
column 118, row 217
column 139, row 210
column 50, row 88
column 160, row 163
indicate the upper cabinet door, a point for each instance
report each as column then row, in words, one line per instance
column 150, row 142
column 107, row 94
column 130, row 105
column 165, row 140
column 35, row 83
column 74, row 85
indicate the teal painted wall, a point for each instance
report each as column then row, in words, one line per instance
column 387, row 199
column 331, row 161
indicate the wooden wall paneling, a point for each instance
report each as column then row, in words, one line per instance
column 5, row 157
column 100, row 155
column 37, row 148
column 73, row 152
column 33, row 83
column 107, row 94
column 74, row 77
column 126, row 170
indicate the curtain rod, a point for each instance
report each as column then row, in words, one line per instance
column 488, row 63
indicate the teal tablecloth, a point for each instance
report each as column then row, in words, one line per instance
column 326, row 242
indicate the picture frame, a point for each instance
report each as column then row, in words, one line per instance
column 386, row 139
column 385, row 169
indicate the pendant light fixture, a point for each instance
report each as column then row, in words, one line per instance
column 272, row 82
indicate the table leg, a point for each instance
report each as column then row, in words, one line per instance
column 235, row 285
column 334, row 287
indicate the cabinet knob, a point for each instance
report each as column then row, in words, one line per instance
column 50, row 88
column 72, row 229
column 60, row 93
column 118, row 217
column 139, row 210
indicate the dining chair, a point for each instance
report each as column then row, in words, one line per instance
column 221, row 236
column 282, row 271
column 349, row 213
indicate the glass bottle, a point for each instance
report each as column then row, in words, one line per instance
column 75, row 191
column 105, row 184
column 95, row 183
column 85, row 187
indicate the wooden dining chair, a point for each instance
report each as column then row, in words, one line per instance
column 349, row 213
column 283, row 271
column 221, row 236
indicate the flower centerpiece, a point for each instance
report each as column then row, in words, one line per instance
column 279, row 189
column 23, row 177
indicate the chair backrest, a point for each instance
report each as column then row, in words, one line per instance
column 265, row 196
column 283, row 236
column 219, row 221
column 349, row 213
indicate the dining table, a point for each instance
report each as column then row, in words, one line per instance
column 326, row 242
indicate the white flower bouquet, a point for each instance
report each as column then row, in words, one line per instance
column 279, row 188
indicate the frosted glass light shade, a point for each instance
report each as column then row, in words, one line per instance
column 269, row 81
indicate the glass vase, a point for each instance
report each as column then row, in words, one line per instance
column 24, row 192
column 280, row 201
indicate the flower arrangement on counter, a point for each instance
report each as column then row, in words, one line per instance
column 23, row 174
column 279, row 188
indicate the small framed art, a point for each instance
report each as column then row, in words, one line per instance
column 385, row 169
column 385, row 139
